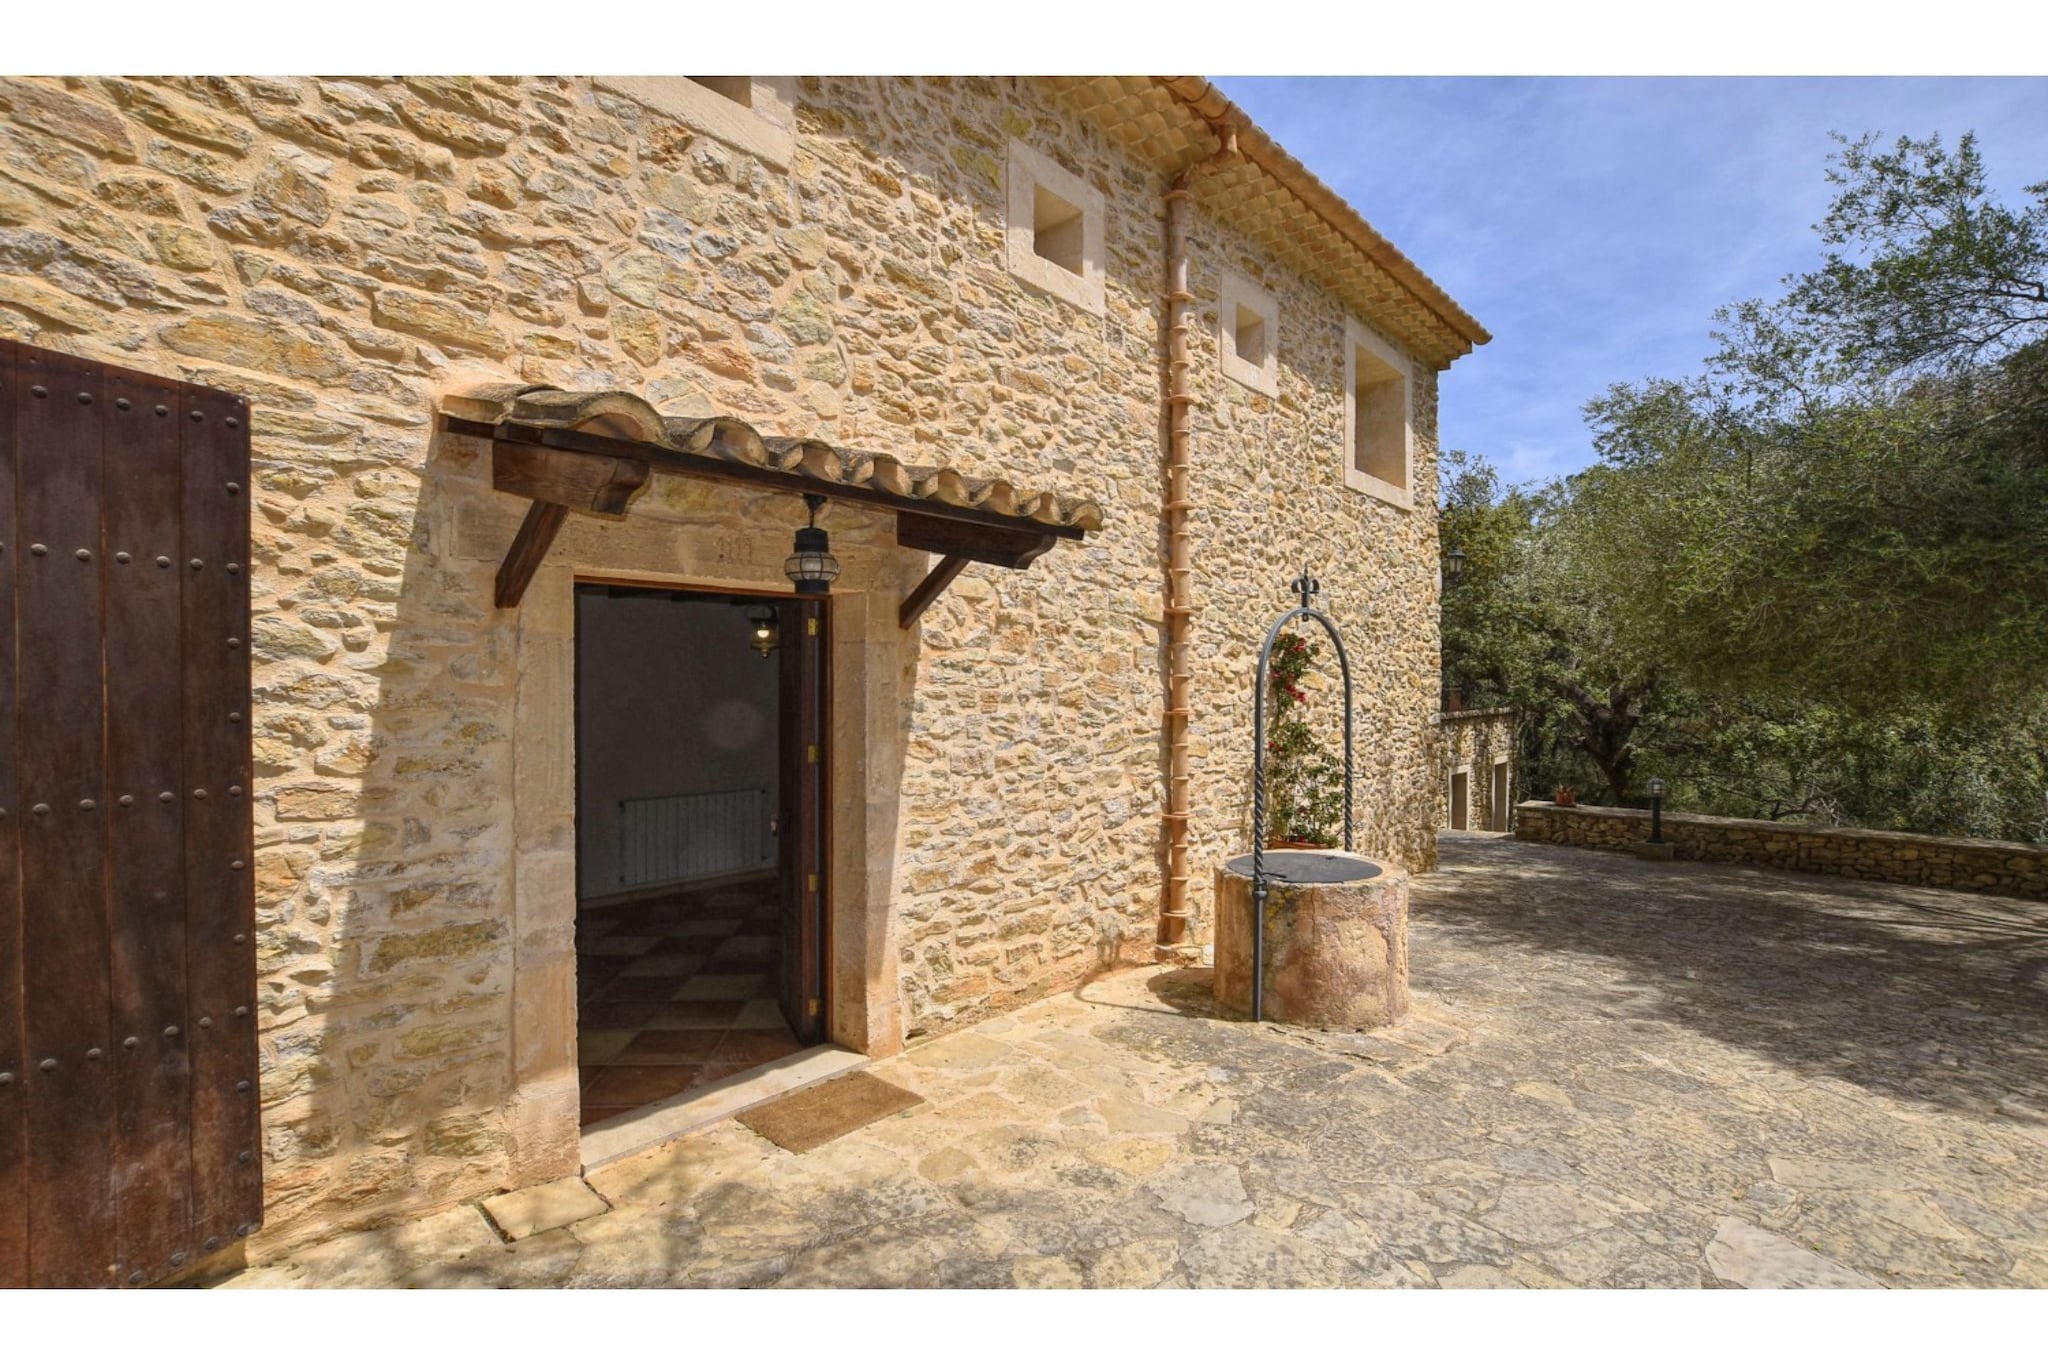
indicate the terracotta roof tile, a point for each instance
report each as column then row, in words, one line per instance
column 628, row 416
column 1172, row 122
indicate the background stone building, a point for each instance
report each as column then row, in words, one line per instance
column 1476, row 789
column 967, row 273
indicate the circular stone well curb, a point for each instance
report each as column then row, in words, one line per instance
column 1336, row 953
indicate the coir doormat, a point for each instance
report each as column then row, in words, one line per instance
column 812, row 1118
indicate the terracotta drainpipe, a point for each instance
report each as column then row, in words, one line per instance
column 1180, row 610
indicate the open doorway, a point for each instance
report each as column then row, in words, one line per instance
column 700, row 768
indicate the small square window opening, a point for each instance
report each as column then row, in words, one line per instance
column 1248, row 324
column 755, row 115
column 1379, row 439
column 738, row 89
column 1053, row 229
column 1056, row 228
column 1249, row 336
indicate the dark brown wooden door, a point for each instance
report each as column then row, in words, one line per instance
column 129, row 1114
column 803, row 828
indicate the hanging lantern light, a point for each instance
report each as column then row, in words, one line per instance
column 812, row 568
column 764, row 630
column 1454, row 564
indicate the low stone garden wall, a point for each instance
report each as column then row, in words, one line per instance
column 1986, row 865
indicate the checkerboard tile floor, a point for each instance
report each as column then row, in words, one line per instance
column 676, row 992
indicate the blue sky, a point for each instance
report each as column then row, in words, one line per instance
column 1593, row 225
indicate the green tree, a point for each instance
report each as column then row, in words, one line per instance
column 1531, row 625
column 1811, row 582
column 1850, row 507
column 1527, row 626
column 1926, row 272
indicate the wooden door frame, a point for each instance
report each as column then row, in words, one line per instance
column 824, row 854
column 792, row 729
column 578, row 580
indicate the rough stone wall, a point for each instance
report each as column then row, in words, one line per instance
column 1268, row 487
column 346, row 252
column 1989, row 866
column 1475, row 740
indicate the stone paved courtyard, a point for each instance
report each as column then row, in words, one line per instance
column 1618, row 1074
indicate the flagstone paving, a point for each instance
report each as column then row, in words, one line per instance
column 1618, row 1073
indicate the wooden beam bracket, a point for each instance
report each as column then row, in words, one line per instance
column 960, row 543
column 558, row 482
column 927, row 592
column 1003, row 546
column 602, row 484
column 529, row 548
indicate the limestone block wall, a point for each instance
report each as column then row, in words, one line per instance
column 1475, row 741
column 345, row 252
column 1269, row 493
column 1990, row 866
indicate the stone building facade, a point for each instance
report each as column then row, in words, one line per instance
column 829, row 258
column 1476, row 781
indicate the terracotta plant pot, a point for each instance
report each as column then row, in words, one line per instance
column 1299, row 844
column 1565, row 796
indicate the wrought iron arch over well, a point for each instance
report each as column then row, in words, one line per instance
column 1308, row 589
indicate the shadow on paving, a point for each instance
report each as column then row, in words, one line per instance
column 1919, row 994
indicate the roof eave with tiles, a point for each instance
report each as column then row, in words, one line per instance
column 1173, row 122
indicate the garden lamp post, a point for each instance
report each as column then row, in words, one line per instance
column 1656, row 810
column 1454, row 569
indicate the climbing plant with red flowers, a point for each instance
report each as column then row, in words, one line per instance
column 1305, row 785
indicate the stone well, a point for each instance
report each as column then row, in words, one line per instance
column 1336, row 952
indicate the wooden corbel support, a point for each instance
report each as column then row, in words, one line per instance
column 529, row 547
column 927, row 592
column 559, row 482
column 603, row 484
column 961, row 543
